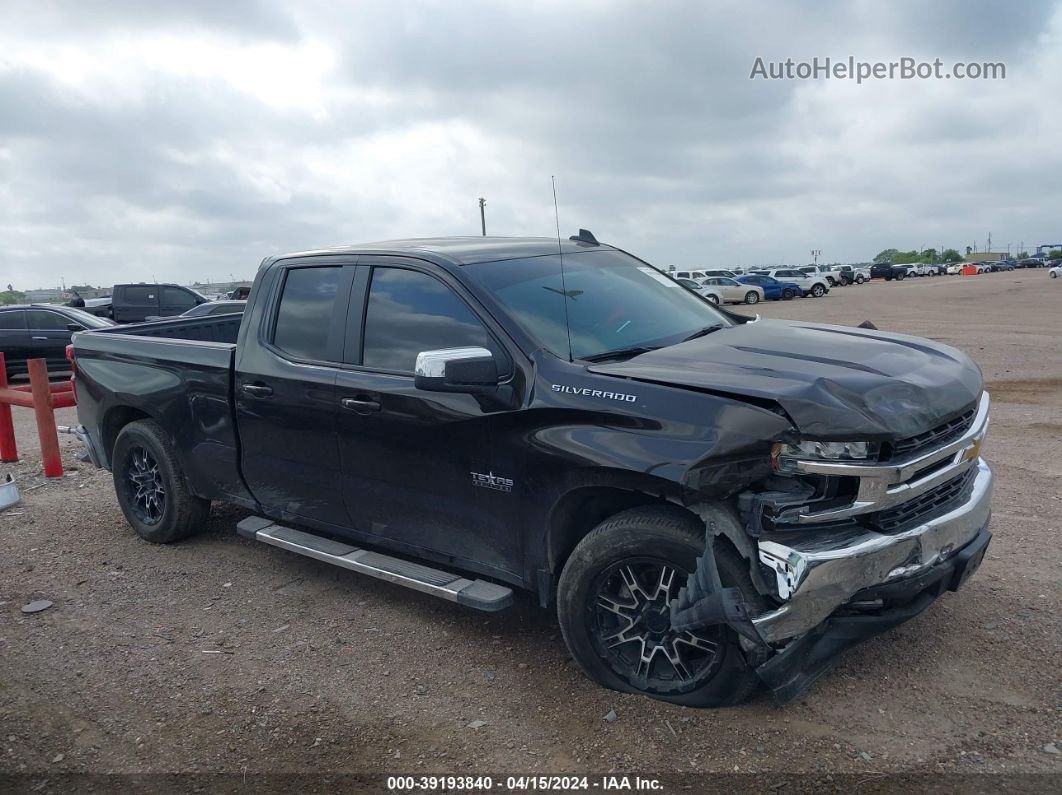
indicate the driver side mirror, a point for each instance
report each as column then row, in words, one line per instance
column 456, row 370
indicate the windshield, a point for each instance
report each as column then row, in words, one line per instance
column 614, row 302
column 87, row 319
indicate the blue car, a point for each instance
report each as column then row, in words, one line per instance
column 773, row 289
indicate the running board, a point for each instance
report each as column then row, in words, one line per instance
column 480, row 594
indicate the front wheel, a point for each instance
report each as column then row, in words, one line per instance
column 150, row 485
column 817, row 290
column 788, row 295
column 713, row 299
column 900, row 276
column 613, row 602
column 859, row 279
column 752, row 297
column 1054, row 275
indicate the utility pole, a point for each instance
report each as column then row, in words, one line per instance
column 815, row 252
column 483, row 215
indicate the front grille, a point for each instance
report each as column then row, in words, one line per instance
column 924, row 506
column 937, row 437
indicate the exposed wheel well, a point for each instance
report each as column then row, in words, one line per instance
column 582, row 510
column 116, row 419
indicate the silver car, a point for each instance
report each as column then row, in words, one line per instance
column 732, row 291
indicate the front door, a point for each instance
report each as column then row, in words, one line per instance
column 421, row 471
column 49, row 335
column 286, row 396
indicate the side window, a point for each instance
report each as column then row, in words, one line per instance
column 140, row 295
column 409, row 312
column 180, row 299
column 307, row 304
column 13, row 319
column 44, row 320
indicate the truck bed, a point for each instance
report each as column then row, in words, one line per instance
column 179, row 372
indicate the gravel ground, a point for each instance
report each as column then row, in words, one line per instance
column 222, row 655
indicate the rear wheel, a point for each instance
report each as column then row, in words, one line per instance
column 900, row 276
column 752, row 297
column 613, row 602
column 859, row 279
column 150, row 485
column 788, row 294
column 817, row 290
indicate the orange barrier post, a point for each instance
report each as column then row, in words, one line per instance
column 43, row 408
column 8, row 449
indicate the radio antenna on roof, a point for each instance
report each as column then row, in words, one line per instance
column 564, row 287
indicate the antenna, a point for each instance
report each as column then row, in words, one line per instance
column 560, row 254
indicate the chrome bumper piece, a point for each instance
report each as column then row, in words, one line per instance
column 818, row 571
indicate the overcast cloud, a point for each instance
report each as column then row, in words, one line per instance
column 185, row 141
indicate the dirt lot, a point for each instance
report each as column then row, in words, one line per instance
column 321, row 670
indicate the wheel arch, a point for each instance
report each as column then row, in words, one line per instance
column 116, row 418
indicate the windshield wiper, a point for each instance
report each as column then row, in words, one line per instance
column 704, row 332
column 621, row 353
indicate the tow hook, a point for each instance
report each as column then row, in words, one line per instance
column 704, row 602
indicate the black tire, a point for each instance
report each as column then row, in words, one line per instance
column 150, row 485
column 713, row 299
column 817, row 291
column 718, row 672
column 752, row 297
column 788, row 294
column 859, row 279
column 1053, row 275
column 901, row 276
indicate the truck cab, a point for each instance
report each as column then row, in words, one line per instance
column 134, row 303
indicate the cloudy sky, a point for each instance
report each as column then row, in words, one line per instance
column 186, row 140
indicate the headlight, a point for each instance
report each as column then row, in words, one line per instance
column 782, row 455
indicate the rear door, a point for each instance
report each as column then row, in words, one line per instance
column 285, row 392
column 14, row 340
column 422, row 470
column 49, row 336
column 132, row 303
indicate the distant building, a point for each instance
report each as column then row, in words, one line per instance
column 42, row 296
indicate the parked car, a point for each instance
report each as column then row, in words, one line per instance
column 209, row 308
column 813, row 285
column 726, row 274
column 773, row 290
column 888, row 271
column 1055, row 271
column 1031, row 262
column 697, row 276
column 955, row 268
column 1001, row 265
column 711, row 293
column 458, row 417
column 835, row 277
column 856, row 274
column 733, row 291
column 134, row 303
column 41, row 331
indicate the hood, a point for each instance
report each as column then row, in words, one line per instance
column 834, row 382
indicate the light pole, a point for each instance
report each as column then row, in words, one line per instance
column 483, row 215
column 815, row 252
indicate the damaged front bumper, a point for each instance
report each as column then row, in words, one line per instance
column 818, row 571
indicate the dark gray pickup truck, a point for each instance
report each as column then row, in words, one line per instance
column 711, row 501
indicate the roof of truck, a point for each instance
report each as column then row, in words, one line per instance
column 460, row 250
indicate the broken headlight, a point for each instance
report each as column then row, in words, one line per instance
column 783, row 455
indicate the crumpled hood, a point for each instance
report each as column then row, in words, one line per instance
column 834, row 382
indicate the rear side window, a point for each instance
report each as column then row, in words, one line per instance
column 13, row 319
column 409, row 312
column 46, row 321
column 140, row 295
column 304, row 316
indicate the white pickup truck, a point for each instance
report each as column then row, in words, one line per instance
column 834, row 276
column 925, row 269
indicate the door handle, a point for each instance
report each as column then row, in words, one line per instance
column 256, row 390
column 361, row 405
column 40, row 338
